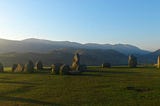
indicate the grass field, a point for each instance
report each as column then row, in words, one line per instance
column 119, row 86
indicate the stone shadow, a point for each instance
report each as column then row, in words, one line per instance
column 28, row 100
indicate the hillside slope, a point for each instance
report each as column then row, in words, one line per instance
column 88, row 57
column 45, row 46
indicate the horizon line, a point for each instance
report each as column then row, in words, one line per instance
column 76, row 42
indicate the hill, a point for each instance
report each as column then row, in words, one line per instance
column 150, row 58
column 62, row 51
column 88, row 57
column 45, row 46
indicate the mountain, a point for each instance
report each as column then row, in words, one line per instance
column 150, row 58
column 123, row 48
column 44, row 46
column 88, row 57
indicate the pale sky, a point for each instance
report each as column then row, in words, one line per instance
column 135, row 22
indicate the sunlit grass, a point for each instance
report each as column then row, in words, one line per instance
column 7, row 69
column 118, row 86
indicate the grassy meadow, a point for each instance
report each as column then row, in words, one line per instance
column 118, row 86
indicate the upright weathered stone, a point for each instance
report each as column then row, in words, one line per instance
column 132, row 61
column 64, row 70
column 55, row 68
column 76, row 62
column 29, row 67
column 39, row 65
column 19, row 68
column 1, row 67
column 158, row 62
column 106, row 65
column 14, row 66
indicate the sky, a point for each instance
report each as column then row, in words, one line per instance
column 135, row 22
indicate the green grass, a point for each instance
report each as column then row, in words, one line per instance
column 118, row 86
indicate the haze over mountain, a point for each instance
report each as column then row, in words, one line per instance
column 88, row 57
column 150, row 58
column 63, row 51
column 45, row 46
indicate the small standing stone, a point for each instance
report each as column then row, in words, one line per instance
column 1, row 67
column 19, row 68
column 14, row 66
column 39, row 65
column 106, row 65
column 64, row 70
column 55, row 68
column 132, row 61
column 29, row 67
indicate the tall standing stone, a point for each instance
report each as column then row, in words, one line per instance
column 158, row 62
column 76, row 62
column 132, row 61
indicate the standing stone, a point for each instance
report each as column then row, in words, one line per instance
column 106, row 65
column 64, row 70
column 19, row 68
column 76, row 62
column 132, row 61
column 39, row 65
column 1, row 67
column 158, row 62
column 29, row 67
column 14, row 66
column 55, row 68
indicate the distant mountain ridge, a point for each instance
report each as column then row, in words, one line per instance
column 150, row 58
column 44, row 46
column 87, row 56
column 50, row 52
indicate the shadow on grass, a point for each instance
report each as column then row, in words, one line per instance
column 4, row 78
column 86, row 74
column 137, row 89
column 102, row 73
column 15, row 82
column 27, row 100
column 23, row 89
column 113, row 72
column 19, row 90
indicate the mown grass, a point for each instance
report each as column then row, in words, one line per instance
column 118, row 86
